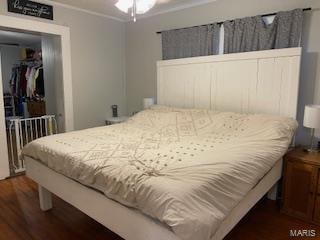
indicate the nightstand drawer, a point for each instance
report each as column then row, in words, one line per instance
column 301, row 185
column 299, row 190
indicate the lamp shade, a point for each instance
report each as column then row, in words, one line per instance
column 312, row 116
column 148, row 102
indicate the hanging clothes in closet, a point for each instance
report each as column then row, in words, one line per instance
column 27, row 80
column 35, row 82
column 27, row 83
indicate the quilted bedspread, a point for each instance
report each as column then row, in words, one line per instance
column 187, row 168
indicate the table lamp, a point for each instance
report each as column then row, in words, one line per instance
column 312, row 120
column 148, row 102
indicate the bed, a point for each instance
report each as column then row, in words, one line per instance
column 180, row 173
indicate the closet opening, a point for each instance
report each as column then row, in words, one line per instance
column 31, row 73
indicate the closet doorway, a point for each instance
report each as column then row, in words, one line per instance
column 35, row 81
column 29, row 86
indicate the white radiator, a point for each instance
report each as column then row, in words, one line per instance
column 23, row 131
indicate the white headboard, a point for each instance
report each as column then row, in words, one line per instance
column 251, row 82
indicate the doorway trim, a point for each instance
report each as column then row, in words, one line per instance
column 23, row 24
column 4, row 159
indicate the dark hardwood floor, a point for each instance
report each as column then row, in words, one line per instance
column 21, row 218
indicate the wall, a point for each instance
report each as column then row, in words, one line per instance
column 144, row 45
column 98, row 60
column 10, row 55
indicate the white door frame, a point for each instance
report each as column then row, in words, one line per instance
column 4, row 159
column 23, row 24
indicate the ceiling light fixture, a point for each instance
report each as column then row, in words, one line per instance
column 135, row 6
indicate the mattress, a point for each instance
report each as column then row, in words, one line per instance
column 187, row 168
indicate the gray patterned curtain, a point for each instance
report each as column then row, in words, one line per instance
column 190, row 42
column 252, row 34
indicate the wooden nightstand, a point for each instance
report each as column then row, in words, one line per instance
column 115, row 120
column 301, row 185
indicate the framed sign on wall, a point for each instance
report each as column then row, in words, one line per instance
column 30, row 8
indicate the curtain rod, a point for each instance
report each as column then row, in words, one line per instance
column 219, row 23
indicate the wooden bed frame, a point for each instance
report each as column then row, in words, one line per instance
column 254, row 82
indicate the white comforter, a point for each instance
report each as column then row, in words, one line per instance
column 186, row 168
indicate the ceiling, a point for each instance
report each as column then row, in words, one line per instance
column 106, row 7
column 20, row 39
